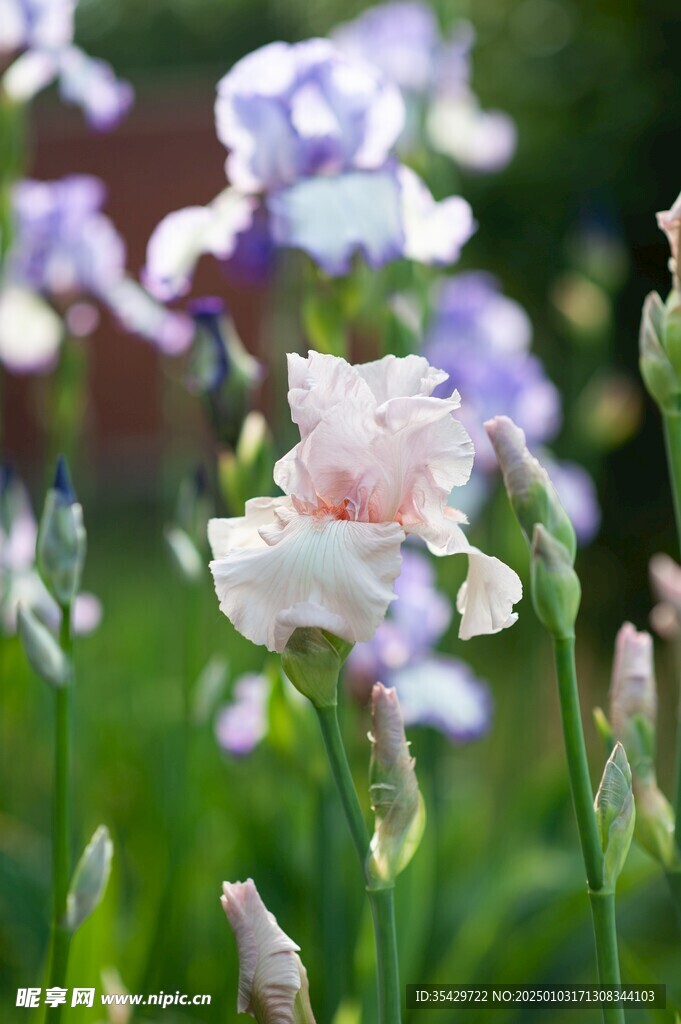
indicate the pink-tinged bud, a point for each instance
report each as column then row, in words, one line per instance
column 654, row 822
column 664, row 620
column 395, row 797
column 669, row 221
column 273, row 986
column 528, row 485
column 633, row 697
column 665, row 580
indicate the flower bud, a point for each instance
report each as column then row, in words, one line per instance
column 528, row 485
column 312, row 660
column 44, row 654
column 90, row 879
column 221, row 371
column 615, row 815
column 273, row 985
column 246, row 471
column 659, row 371
column 633, row 697
column 556, row 592
column 395, row 797
column 194, row 506
column 665, row 579
column 669, row 221
column 61, row 539
column 654, row 821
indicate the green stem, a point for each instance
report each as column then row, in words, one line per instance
column 605, row 930
column 602, row 901
column 381, row 900
column 61, row 826
column 578, row 765
column 674, row 883
column 672, row 437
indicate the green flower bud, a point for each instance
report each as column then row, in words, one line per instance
column 532, row 495
column 615, row 815
column 633, row 698
column 62, row 539
column 395, row 797
column 90, row 879
column 672, row 331
column 556, row 592
column 658, row 371
column 655, row 822
column 312, row 660
column 44, row 654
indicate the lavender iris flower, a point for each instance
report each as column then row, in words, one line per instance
column 311, row 134
column 43, row 30
column 481, row 339
column 402, row 39
column 434, row 689
column 65, row 249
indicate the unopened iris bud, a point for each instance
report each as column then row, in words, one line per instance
column 633, row 697
column 395, row 797
column 669, row 221
column 312, row 660
column 195, row 505
column 528, row 485
column 660, row 351
column 220, row 368
column 665, row 579
column 273, row 985
column 654, row 822
column 246, row 471
column 90, row 879
column 615, row 815
column 556, row 592
column 44, row 654
column 62, row 539
column 186, row 556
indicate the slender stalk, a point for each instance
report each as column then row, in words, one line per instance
column 605, row 930
column 674, row 883
column 60, row 941
column 578, row 766
column 672, row 437
column 602, row 901
column 381, row 900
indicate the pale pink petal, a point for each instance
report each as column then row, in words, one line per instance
column 312, row 571
column 272, row 980
column 225, row 535
column 182, row 237
column 486, row 599
column 320, row 385
column 391, row 377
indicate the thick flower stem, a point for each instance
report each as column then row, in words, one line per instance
column 605, row 930
column 602, row 902
column 381, row 900
column 672, row 436
column 60, row 940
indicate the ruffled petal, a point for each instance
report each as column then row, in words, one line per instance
column 30, row 331
column 226, row 535
column 444, row 693
column 182, row 237
column 486, row 599
column 311, row 571
column 434, row 232
column 391, row 377
column 334, row 219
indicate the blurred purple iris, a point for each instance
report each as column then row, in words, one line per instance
column 64, row 250
column 434, row 689
column 481, row 338
column 43, row 30
column 402, row 39
column 311, row 134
